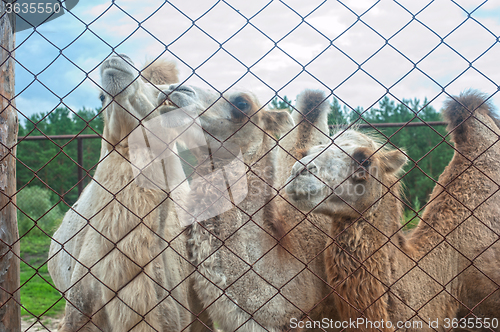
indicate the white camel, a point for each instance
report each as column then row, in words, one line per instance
column 118, row 256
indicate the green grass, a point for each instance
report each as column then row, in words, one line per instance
column 38, row 296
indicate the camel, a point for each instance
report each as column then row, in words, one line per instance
column 441, row 275
column 259, row 263
column 118, row 255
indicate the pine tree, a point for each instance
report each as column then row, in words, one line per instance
column 52, row 164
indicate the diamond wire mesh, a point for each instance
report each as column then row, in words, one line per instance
column 251, row 267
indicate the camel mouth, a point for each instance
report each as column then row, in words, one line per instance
column 301, row 201
column 175, row 97
column 304, row 192
column 299, row 195
column 167, row 103
column 167, row 106
column 293, row 194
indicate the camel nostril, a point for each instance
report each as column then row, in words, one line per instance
column 180, row 88
column 124, row 57
column 184, row 89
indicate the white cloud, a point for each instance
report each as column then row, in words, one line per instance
column 171, row 32
column 28, row 106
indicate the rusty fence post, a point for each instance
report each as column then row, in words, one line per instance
column 10, row 311
column 80, row 164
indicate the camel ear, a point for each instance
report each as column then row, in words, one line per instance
column 393, row 161
column 277, row 122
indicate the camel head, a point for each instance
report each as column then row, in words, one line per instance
column 129, row 96
column 345, row 178
column 236, row 118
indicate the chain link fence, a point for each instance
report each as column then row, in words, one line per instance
column 263, row 171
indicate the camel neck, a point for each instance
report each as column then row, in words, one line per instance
column 464, row 193
column 360, row 259
column 361, row 235
column 261, row 175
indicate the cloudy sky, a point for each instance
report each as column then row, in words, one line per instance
column 356, row 49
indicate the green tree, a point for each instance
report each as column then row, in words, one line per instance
column 339, row 113
column 425, row 146
column 52, row 164
column 279, row 103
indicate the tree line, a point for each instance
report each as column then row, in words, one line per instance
column 52, row 164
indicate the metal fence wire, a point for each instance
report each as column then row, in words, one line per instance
column 200, row 208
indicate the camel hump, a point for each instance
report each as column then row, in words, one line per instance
column 161, row 71
column 312, row 105
column 459, row 112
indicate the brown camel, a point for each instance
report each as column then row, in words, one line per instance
column 250, row 275
column 442, row 275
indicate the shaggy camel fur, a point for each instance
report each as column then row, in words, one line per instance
column 247, row 281
column 311, row 129
column 110, row 256
column 373, row 264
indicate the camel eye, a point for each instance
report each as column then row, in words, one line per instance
column 102, row 97
column 241, row 107
column 242, row 104
column 362, row 157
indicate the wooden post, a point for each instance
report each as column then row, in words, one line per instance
column 10, row 313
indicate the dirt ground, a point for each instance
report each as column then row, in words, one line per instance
column 49, row 324
column 31, row 325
